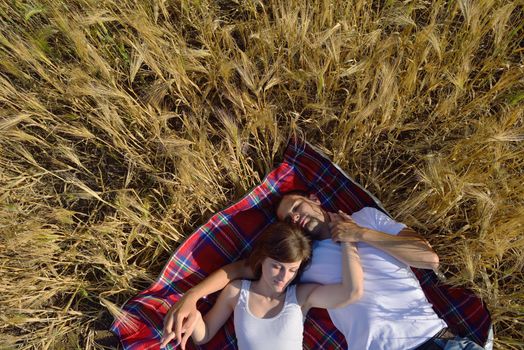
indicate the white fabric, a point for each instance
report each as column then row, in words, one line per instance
column 281, row 332
column 393, row 312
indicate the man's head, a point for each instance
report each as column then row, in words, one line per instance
column 305, row 211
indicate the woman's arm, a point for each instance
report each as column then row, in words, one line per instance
column 181, row 318
column 336, row 295
column 206, row 328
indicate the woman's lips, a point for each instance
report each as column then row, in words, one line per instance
column 279, row 283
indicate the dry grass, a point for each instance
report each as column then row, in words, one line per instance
column 125, row 124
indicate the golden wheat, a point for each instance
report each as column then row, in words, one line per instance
column 124, row 125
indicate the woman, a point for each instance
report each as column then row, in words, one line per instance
column 267, row 313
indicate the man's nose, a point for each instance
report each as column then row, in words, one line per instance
column 295, row 218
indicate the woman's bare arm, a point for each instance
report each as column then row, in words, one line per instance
column 207, row 327
column 180, row 319
column 336, row 295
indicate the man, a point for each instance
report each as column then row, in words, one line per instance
column 393, row 312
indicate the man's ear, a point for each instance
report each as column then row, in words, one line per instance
column 314, row 198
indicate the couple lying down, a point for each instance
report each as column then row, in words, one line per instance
column 359, row 270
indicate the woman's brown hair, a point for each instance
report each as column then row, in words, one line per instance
column 282, row 242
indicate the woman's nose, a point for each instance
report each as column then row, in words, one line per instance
column 287, row 276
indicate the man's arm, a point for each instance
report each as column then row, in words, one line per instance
column 407, row 246
column 180, row 319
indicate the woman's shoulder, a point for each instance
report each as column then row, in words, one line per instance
column 235, row 284
column 232, row 289
column 231, row 292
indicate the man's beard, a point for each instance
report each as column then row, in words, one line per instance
column 313, row 228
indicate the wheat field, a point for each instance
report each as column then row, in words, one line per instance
column 124, row 125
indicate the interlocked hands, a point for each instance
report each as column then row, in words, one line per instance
column 343, row 228
column 180, row 322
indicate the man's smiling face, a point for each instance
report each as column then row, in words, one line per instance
column 304, row 212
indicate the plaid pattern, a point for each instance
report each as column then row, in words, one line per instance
column 229, row 235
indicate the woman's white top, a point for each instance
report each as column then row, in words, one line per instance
column 281, row 332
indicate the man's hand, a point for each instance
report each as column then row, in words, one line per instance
column 343, row 228
column 180, row 321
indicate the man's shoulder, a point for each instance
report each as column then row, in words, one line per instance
column 366, row 215
column 368, row 210
column 376, row 219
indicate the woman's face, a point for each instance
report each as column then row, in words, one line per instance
column 278, row 274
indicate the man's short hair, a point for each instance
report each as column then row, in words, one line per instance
column 289, row 193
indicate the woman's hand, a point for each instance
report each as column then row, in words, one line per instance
column 180, row 321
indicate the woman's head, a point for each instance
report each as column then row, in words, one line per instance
column 280, row 247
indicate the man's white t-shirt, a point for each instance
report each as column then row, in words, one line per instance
column 393, row 312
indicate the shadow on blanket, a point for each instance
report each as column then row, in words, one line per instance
column 229, row 235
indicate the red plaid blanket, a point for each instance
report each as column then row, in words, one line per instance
column 229, row 235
